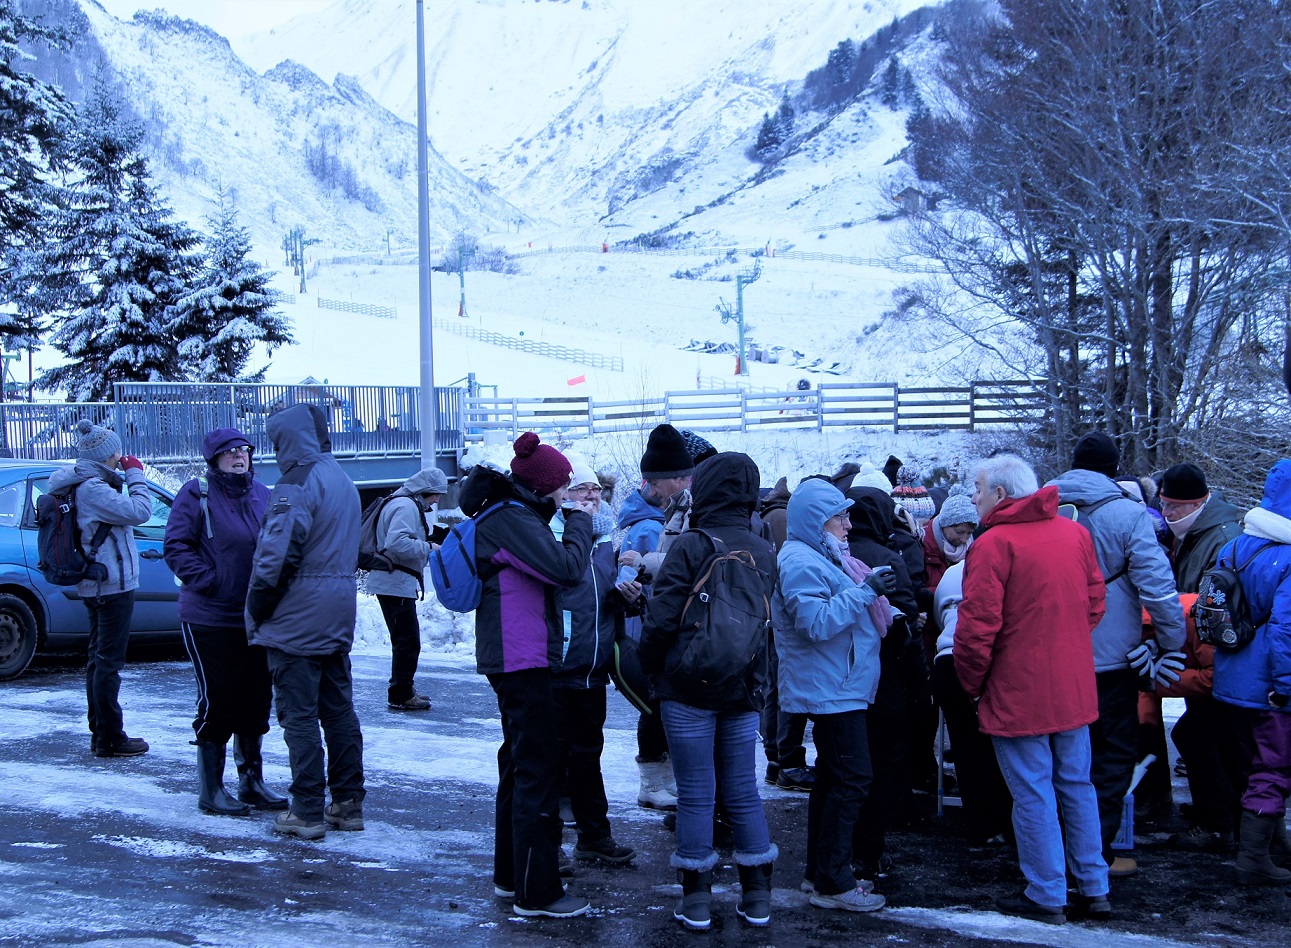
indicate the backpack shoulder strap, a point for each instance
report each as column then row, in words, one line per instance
column 1084, row 510
column 203, row 491
column 100, row 533
column 1254, row 553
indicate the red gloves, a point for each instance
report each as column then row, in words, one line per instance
column 130, row 462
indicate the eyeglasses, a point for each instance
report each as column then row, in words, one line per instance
column 585, row 489
column 234, row 452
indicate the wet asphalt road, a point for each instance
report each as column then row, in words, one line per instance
column 115, row 852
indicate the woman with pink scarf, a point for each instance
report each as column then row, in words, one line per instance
column 830, row 615
column 948, row 535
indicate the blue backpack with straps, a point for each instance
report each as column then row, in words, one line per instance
column 453, row 571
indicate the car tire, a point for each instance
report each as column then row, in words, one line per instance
column 17, row 637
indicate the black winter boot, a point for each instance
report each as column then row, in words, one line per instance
column 755, row 898
column 1279, row 848
column 1254, row 867
column 251, row 788
column 694, row 909
column 211, row 795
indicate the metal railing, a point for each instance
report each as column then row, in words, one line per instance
column 166, row 422
column 365, row 309
column 564, row 353
column 851, row 404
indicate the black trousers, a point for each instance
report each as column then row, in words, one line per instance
column 988, row 805
column 1114, row 745
column 400, row 614
column 310, row 691
column 652, row 742
column 843, row 777
column 109, row 634
column 526, row 830
column 1215, row 763
column 234, row 690
column 892, row 736
column 783, row 733
column 580, row 715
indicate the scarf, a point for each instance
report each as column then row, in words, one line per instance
column 953, row 554
column 880, row 609
column 1265, row 524
column 1181, row 526
column 602, row 522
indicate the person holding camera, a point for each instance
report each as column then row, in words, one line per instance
column 830, row 613
column 97, row 477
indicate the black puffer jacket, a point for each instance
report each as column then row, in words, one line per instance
column 725, row 493
column 592, row 615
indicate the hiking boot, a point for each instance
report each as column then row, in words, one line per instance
column 1122, row 867
column 1023, row 906
column 796, row 778
column 773, row 771
column 125, row 747
column 854, row 900
column 289, row 824
column 345, row 816
column 415, row 703
column 695, row 908
column 1096, row 908
column 605, row 850
column 567, row 906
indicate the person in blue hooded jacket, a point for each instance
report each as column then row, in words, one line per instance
column 210, row 541
column 301, row 605
column 1254, row 682
column 827, row 613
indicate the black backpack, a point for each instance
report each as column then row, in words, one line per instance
column 1221, row 613
column 370, row 556
column 63, row 561
column 729, row 615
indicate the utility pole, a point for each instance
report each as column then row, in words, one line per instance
column 724, row 308
column 428, row 403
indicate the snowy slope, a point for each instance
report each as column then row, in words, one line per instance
column 211, row 118
column 572, row 109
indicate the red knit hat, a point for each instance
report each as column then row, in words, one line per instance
column 539, row 466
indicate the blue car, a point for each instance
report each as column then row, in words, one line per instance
column 35, row 616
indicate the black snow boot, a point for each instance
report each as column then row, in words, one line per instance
column 251, row 788
column 695, row 908
column 1254, row 867
column 211, row 795
column 755, row 898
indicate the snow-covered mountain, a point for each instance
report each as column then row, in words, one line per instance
column 210, row 118
column 576, row 109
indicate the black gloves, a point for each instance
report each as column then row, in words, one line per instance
column 882, row 580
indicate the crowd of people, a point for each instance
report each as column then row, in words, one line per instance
column 1044, row 624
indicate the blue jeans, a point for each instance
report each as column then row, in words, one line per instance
column 1046, row 772
column 707, row 746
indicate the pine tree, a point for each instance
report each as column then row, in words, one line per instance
column 768, row 137
column 784, row 118
column 33, row 115
column 230, row 306
column 890, row 87
column 117, row 264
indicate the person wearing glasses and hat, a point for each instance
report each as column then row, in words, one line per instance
column 210, row 540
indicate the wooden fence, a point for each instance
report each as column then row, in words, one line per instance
column 851, row 404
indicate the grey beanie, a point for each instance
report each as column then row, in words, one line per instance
column 429, row 480
column 96, row 443
column 958, row 508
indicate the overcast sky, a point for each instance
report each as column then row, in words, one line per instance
column 230, row 18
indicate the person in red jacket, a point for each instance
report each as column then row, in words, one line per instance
column 1033, row 593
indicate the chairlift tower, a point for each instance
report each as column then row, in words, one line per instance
column 724, row 308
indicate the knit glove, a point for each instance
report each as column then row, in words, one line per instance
column 1167, row 668
column 130, row 462
column 1141, row 659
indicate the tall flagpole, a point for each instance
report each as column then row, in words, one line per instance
column 428, row 403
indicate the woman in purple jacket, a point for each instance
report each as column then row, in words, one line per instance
column 210, row 540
